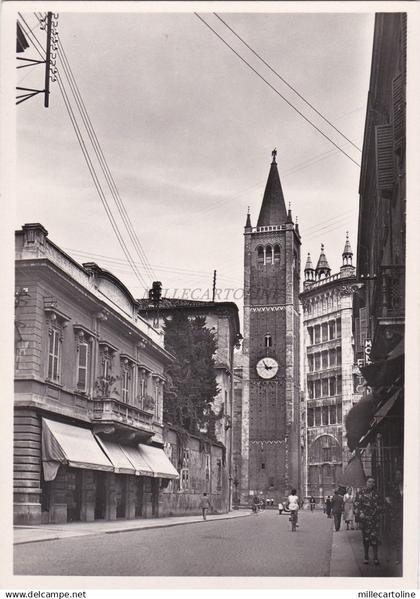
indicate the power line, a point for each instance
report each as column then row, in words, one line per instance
column 89, row 163
column 285, row 82
column 102, row 160
column 276, row 90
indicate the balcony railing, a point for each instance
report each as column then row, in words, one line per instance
column 391, row 292
column 113, row 411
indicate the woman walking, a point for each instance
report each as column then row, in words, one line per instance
column 348, row 508
column 395, row 502
column 368, row 508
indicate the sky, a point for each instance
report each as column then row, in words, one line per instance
column 188, row 129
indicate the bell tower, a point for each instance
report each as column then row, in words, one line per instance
column 270, row 449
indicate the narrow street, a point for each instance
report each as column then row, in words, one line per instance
column 257, row 545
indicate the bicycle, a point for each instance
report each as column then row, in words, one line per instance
column 293, row 519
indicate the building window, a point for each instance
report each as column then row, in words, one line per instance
column 317, row 334
column 339, row 413
column 310, row 417
column 317, row 416
column 54, row 354
column 339, row 385
column 325, row 332
column 276, row 254
column 324, row 359
column 268, row 340
column 338, row 328
column 311, row 363
column 311, row 335
column 332, row 386
column 317, row 388
column 310, row 389
column 332, row 358
column 338, row 356
column 262, row 466
column 333, row 415
column 332, row 329
column 326, row 454
column 324, row 387
column 317, row 358
column 184, row 480
column 260, row 255
column 127, row 365
column 82, row 366
column 325, row 421
column 268, row 254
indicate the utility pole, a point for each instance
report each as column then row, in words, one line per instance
column 47, row 62
column 214, row 285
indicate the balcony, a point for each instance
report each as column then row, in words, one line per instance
column 122, row 418
column 389, row 295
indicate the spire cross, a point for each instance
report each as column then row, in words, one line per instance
column 274, row 154
column 322, row 247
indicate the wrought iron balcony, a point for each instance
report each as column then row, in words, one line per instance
column 389, row 297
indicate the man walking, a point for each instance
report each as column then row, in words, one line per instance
column 337, row 509
column 205, row 505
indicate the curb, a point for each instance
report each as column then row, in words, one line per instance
column 121, row 530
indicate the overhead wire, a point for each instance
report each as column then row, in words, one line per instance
column 286, row 82
column 276, row 90
column 103, row 162
column 88, row 160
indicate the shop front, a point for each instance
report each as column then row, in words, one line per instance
column 87, row 477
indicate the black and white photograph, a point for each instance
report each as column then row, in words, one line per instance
column 211, row 221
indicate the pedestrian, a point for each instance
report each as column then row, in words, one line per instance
column 255, row 504
column 281, row 508
column 337, row 509
column 348, row 515
column 394, row 504
column 293, row 506
column 312, row 503
column 205, row 505
column 368, row 508
column 328, row 506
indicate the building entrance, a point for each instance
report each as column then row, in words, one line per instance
column 74, row 495
column 100, row 495
column 121, row 495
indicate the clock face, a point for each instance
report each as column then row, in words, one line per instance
column 267, row 368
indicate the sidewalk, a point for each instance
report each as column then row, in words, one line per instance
column 347, row 557
column 52, row 532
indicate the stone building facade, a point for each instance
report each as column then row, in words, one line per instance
column 331, row 377
column 89, row 439
column 269, row 462
column 376, row 427
column 223, row 319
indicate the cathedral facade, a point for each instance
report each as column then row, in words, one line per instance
column 269, row 438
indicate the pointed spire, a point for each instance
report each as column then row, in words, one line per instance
column 308, row 265
column 273, row 209
column 347, row 252
column 322, row 268
column 248, row 220
column 297, row 226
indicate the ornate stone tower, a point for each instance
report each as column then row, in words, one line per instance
column 270, row 438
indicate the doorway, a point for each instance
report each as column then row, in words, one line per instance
column 138, row 513
column 120, row 495
column 74, row 495
column 100, row 495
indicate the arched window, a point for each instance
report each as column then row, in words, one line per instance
column 269, row 255
column 268, row 340
column 260, row 254
column 276, row 254
column 324, row 449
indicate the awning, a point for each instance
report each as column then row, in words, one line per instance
column 70, row 445
column 158, row 461
column 353, row 474
column 380, row 414
column 137, row 460
column 116, row 456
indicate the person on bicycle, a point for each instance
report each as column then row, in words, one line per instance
column 293, row 505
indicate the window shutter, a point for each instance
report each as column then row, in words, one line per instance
column 384, row 157
column 398, row 107
column 82, row 370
